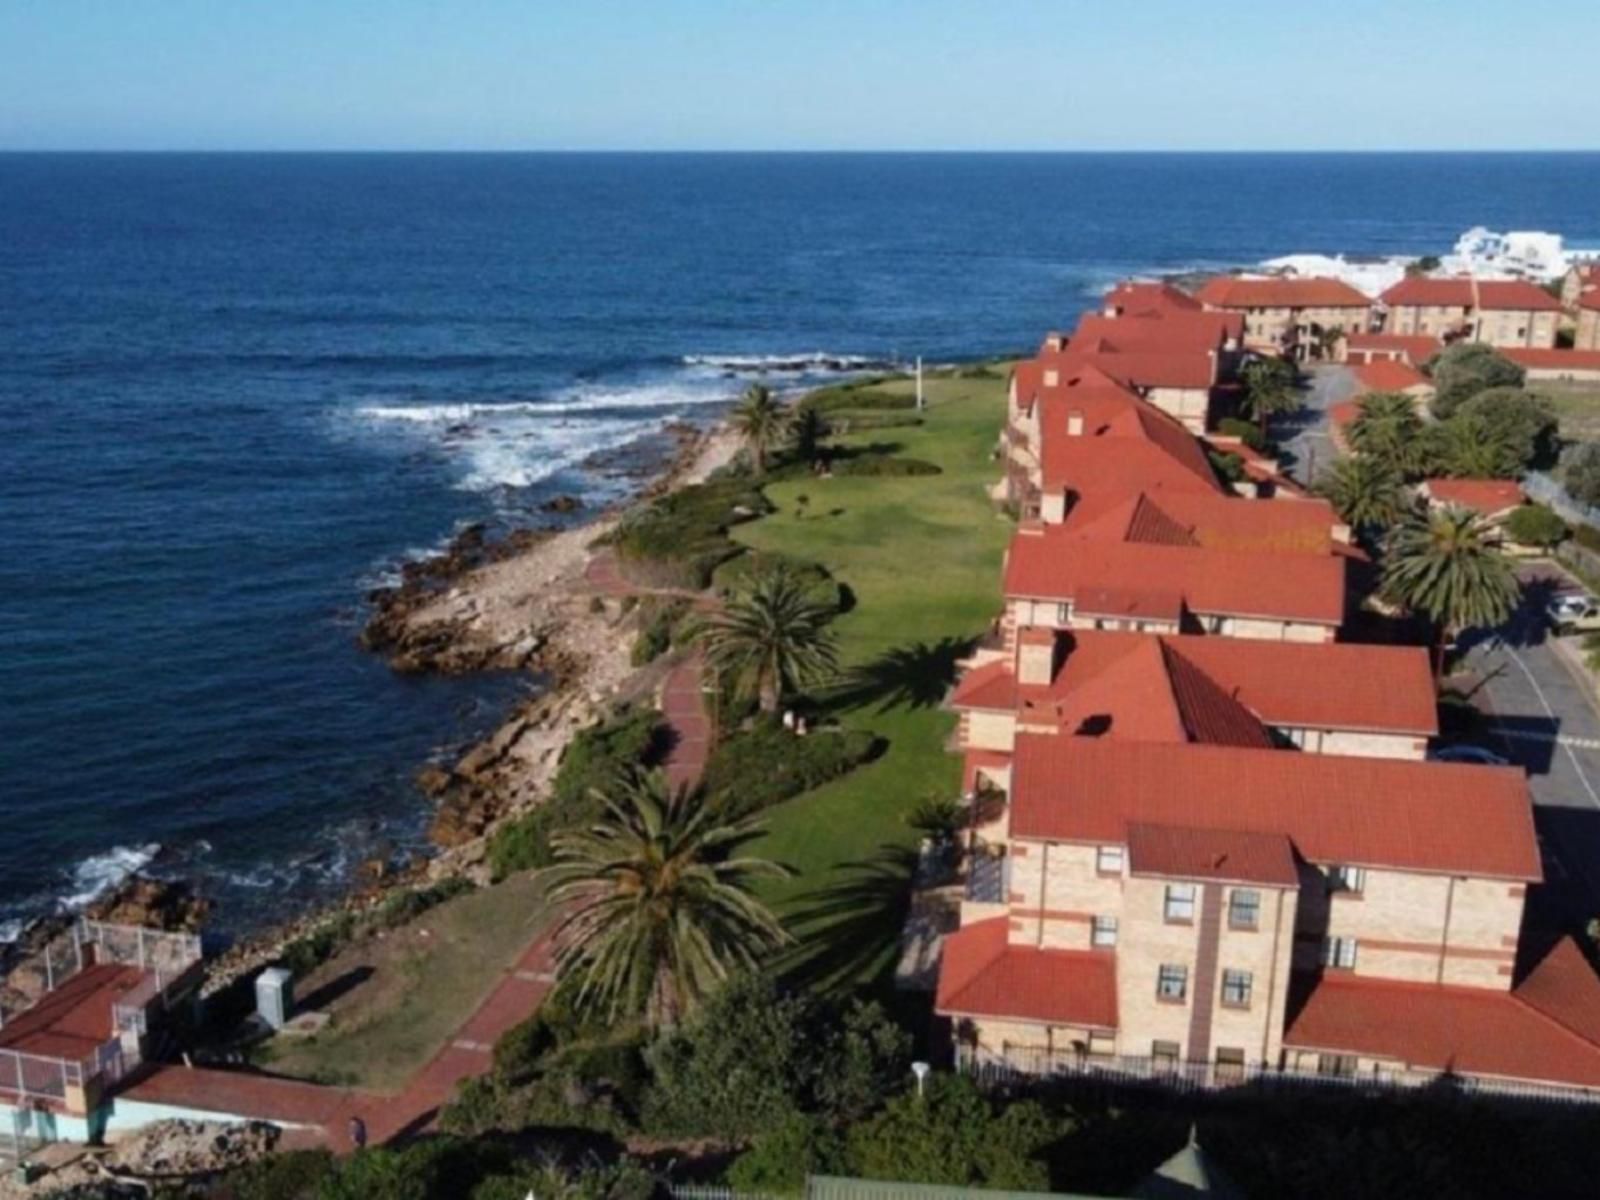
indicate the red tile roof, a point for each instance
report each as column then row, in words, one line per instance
column 1370, row 689
column 75, row 1019
column 1541, row 358
column 1590, row 298
column 982, row 975
column 1458, row 291
column 1544, row 1030
column 1213, row 521
column 1135, row 367
column 1417, row 350
column 1486, row 496
column 1125, row 442
column 1055, row 564
column 1163, row 330
column 1132, row 296
column 1421, row 816
column 1182, row 852
column 1389, row 376
column 1230, row 291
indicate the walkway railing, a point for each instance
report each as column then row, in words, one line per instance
column 1029, row 1064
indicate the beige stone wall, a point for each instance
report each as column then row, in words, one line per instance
column 1269, row 630
column 1056, row 892
column 1053, row 507
column 990, row 731
column 998, row 1036
column 1146, row 941
column 1362, row 745
column 1421, row 928
column 1122, row 626
column 1588, row 331
column 1192, row 406
column 1425, row 319
column 1511, row 327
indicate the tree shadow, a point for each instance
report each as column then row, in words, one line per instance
column 849, row 930
column 335, row 989
column 912, row 676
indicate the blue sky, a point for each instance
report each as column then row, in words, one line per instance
column 785, row 74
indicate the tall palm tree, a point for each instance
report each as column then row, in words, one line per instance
column 773, row 639
column 1444, row 564
column 1387, row 427
column 1268, row 390
column 657, row 905
column 1367, row 493
column 762, row 422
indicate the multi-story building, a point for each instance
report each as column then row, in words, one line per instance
column 1298, row 317
column 1580, row 280
column 1227, row 910
column 1586, row 333
column 1500, row 312
column 1369, row 700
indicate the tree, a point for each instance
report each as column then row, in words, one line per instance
column 775, row 638
column 762, row 422
column 657, row 905
column 808, row 429
column 1515, row 430
column 1463, row 370
column 1367, row 493
column 1444, row 565
column 1535, row 525
column 1269, row 385
column 1388, row 428
column 1580, row 472
column 1328, row 339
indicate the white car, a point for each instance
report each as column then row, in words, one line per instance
column 1573, row 611
column 1468, row 754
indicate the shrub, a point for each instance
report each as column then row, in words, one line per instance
column 779, row 1161
column 1510, row 430
column 659, row 628
column 309, row 951
column 856, row 396
column 400, row 908
column 865, row 1057
column 1462, row 371
column 1229, row 467
column 1247, row 432
column 883, row 465
column 858, row 422
column 765, row 764
column 740, row 575
column 1587, row 536
column 291, row 1175
column 1536, row 525
column 680, row 538
column 594, row 761
column 1580, row 473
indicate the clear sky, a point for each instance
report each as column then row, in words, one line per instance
column 797, row 74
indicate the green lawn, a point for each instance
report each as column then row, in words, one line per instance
column 922, row 557
column 1577, row 407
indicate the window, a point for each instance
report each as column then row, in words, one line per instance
column 1236, row 989
column 1102, row 1043
column 1172, row 983
column 1244, row 909
column 1338, row 1066
column 1164, row 1055
column 1108, row 860
column 1349, row 880
column 1179, row 906
column 1230, row 1063
column 1063, row 613
column 1339, row 952
column 1103, row 932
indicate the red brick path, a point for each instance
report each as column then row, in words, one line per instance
column 683, row 704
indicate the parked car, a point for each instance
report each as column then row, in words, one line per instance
column 1573, row 612
column 1468, row 754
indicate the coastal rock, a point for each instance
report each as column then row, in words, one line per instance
column 433, row 779
column 562, row 504
column 153, row 903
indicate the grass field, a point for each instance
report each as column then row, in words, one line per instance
column 396, row 999
column 922, row 557
column 1577, row 408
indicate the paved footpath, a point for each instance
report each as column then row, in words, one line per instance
column 683, row 704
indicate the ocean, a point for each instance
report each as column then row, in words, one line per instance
column 236, row 391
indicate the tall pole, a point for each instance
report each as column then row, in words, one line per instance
column 919, row 383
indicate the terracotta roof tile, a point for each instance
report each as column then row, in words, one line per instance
column 1459, row 291
column 1553, row 360
column 1183, row 852
column 1389, row 376
column 982, row 975
column 1131, row 295
column 1543, row 1030
column 1417, row 350
column 1163, row 329
column 1231, row 291
column 1485, row 496
column 1421, row 816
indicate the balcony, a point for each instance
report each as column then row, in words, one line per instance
column 988, row 878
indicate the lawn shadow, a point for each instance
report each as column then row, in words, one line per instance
column 913, row 676
column 336, row 989
column 849, row 929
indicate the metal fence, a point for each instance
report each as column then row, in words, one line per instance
column 44, row 971
column 165, row 955
column 1020, row 1065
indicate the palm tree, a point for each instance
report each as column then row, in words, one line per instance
column 1367, row 493
column 1268, row 390
column 808, row 429
column 1387, row 427
column 762, row 422
column 773, row 639
column 1328, row 338
column 657, row 903
column 1445, row 565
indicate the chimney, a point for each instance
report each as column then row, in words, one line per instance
column 1036, row 656
column 1052, row 377
column 1053, row 342
column 1075, row 423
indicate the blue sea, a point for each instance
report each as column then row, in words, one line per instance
column 236, row 391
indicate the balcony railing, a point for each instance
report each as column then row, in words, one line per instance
column 988, row 878
column 1026, row 1064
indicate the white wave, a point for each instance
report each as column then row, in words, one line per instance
column 11, row 929
column 817, row 361
column 523, row 458
column 99, row 873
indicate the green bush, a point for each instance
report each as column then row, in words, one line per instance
column 1536, row 525
column 1247, row 432
column 679, row 539
column 849, row 397
column 1587, row 536
column 779, row 1161
column 889, row 419
column 883, row 465
column 594, row 761
column 758, row 767
column 1580, row 472
column 1229, row 467
column 309, row 951
column 659, row 625
column 740, row 575
column 291, row 1175
column 1463, row 370
column 400, row 908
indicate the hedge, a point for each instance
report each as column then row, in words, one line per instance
column 853, row 397
column 883, row 465
column 679, row 539
column 766, row 764
column 660, row 620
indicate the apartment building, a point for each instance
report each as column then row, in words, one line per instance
column 1580, row 280
column 1586, row 334
column 1500, row 312
column 1170, row 906
column 1289, row 316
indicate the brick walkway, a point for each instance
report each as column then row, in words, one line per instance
column 683, row 704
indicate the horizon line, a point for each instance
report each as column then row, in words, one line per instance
column 576, row 150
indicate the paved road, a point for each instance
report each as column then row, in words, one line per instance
column 1545, row 717
column 1304, row 435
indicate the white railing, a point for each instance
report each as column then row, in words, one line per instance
column 1025, row 1064
column 164, row 955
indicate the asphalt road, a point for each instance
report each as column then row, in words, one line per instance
column 1543, row 714
column 1303, row 436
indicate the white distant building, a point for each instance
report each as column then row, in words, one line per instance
column 1371, row 276
column 1520, row 254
